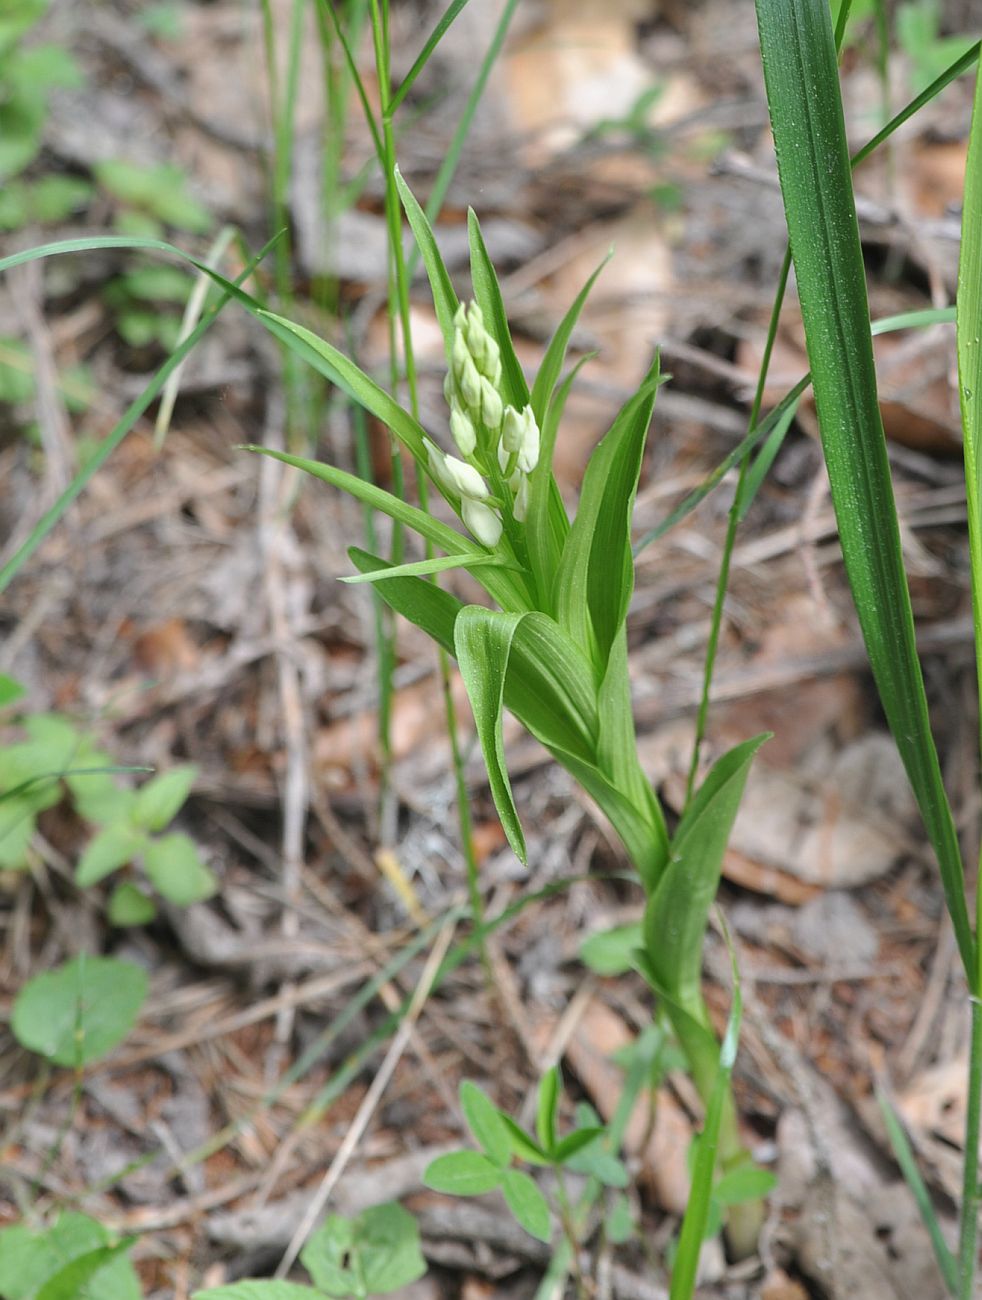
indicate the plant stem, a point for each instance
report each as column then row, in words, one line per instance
column 568, row 1220
column 968, row 1233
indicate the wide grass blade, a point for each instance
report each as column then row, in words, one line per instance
column 801, row 77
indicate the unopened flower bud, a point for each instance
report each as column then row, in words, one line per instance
column 512, row 431
column 481, row 521
column 490, row 364
column 528, row 454
column 464, row 433
column 450, row 388
column 521, row 503
column 438, row 466
column 492, row 409
column 467, row 482
column 469, row 384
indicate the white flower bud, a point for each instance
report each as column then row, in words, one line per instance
column 490, row 365
column 528, row 455
column 438, row 466
column 469, row 383
column 503, row 457
column 467, row 482
column 512, row 431
column 450, row 389
column 492, row 409
column 464, row 433
column 460, row 317
column 481, row 521
column 460, row 356
column 521, row 503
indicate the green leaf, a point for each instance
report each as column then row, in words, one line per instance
column 485, row 1122
column 96, row 795
column 576, row 1141
column 611, row 952
column 527, row 1204
column 421, row 568
column 334, row 365
column 813, row 164
column 10, row 690
column 445, row 300
column 548, row 1108
column 160, row 190
column 524, row 1146
column 906, row 1159
column 129, row 905
column 259, row 1289
column 386, row 1246
column 596, row 1160
column 159, row 801
column 487, row 294
column 79, row 1011
column 677, row 912
column 462, row 1173
column 111, row 848
column 423, row 603
column 543, row 390
column 482, row 642
column 547, row 524
column 29, row 1259
column 326, row 1257
column 619, row 1225
column 596, row 573
column 72, row 1282
column 175, row 869
column 747, row 1183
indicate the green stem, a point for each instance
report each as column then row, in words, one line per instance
column 968, row 1234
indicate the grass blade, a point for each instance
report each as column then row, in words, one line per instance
column 813, row 163
column 912, row 1176
column 434, row 39
column 487, row 292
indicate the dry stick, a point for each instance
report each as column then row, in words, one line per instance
column 372, row 1098
column 275, row 489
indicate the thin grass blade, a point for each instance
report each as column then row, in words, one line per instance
column 487, row 292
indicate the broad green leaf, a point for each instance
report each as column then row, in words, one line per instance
column 596, row 1160
column 334, row 365
column 748, row 1183
column 524, row 1146
column 159, row 800
column 259, row 1289
column 79, row 1011
column 547, row 1110
column 813, row 164
column 326, row 1257
column 485, row 1122
column 574, row 1142
column 129, row 905
column 596, row 572
column 28, row 1260
column 96, row 795
column 386, row 1248
column 611, row 952
column 175, row 869
column 619, row 1226
column 10, row 690
column 527, row 1204
column 677, row 911
column 424, row 604
column 75, row 1280
column 108, row 850
column 482, row 643
column 543, row 390
column 422, row 568
column 445, row 300
column 462, row 1173
column 487, row 293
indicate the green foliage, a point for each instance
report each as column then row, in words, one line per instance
column 58, row 759
column 79, row 1011
column 918, row 28
column 29, row 73
column 373, row 1253
column 73, row 1259
column 502, row 1139
column 146, row 304
column 150, row 197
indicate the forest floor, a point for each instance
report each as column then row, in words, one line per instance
column 187, row 609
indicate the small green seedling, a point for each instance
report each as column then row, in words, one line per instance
column 147, row 303
column 502, row 1140
column 73, row 1259
column 150, row 198
column 58, row 759
column 79, row 1011
column 373, row 1253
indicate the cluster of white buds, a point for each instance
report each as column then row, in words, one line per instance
column 484, row 431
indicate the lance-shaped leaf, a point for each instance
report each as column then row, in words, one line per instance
column 482, row 640
column 445, row 298
column 801, row 77
column 552, row 363
column 423, row 603
column 677, row 912
column 547, row 524
column 596, row 573
column 487, row 294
